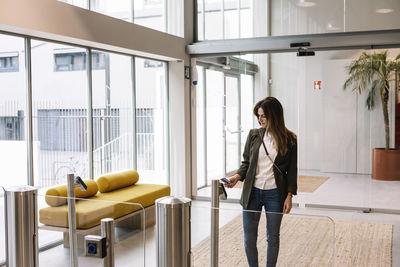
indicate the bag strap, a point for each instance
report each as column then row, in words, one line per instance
column 266, row 151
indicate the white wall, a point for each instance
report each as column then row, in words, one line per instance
column 339, row 120
column 336, row 132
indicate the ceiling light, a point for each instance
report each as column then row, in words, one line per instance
column 384, row 10
column 305, row 3
column 332, row 27
column 384, row 7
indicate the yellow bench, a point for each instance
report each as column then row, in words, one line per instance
column 114, row 188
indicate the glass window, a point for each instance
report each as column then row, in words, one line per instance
column 9, row 62
column 121, row 9
column 151, row 121
column 59, row 101
column 213, row 20
column 246, row 108
column 367, row 15
column 98, row 60
column 112, row 113
column 200, row 20
column 301, row 17
column 235, row 22
column 68, row 61
column 12, row 111
column 161, row 15
column 215, row 124
column 246, row 19
column 150, row 13
column 306, row 17
column 231, row 19
column 292, row 17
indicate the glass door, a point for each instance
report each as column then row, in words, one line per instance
column 215, row 143
column 336, row 132
column 224, row 100
column 232, row 124
column 222, row 124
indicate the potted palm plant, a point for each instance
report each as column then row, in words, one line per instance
column 373, row 73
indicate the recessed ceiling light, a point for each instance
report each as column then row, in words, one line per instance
column 304, row 3
column 384, row 10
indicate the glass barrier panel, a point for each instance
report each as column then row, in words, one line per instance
column 299, row 240
column 59, row 112
column 130, row 221
column 373, row 235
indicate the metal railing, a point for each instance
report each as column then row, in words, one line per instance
column 60, row 139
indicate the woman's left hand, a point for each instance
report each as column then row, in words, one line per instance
column 287, row 206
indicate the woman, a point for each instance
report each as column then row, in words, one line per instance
column 269, row 173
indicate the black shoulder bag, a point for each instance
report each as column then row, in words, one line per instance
column 266, row 151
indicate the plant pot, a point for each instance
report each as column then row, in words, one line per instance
column 386, row 164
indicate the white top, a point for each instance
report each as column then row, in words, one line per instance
column 265, row 178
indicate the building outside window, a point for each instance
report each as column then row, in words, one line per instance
column 70, row 61
column 9, row 62
column 60, row 113
column 60, row 102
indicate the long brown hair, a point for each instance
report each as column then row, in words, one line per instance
column 273, row 111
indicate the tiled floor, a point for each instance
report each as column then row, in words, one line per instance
column 353, row 190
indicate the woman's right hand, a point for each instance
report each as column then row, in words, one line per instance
column 234, row 179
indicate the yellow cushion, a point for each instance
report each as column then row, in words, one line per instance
column 112, row 181
column 89, row 213
column 57, row 196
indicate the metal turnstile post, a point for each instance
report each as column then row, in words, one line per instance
column 73, row 242
column 214, row 222
column 72, row 182
column 107, row 231
column 173, row 232
column 21, row 226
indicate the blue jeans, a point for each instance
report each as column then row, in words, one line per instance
column 271, row 201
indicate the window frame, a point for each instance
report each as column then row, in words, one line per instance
column 89, row 51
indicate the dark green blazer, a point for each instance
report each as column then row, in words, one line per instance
column 287, row 164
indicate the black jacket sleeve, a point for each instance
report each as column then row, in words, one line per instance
column 292, row 171
column 246, row 158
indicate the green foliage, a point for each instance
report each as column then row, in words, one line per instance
column 373, row 73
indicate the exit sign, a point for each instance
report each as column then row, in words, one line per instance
column 317, row 85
